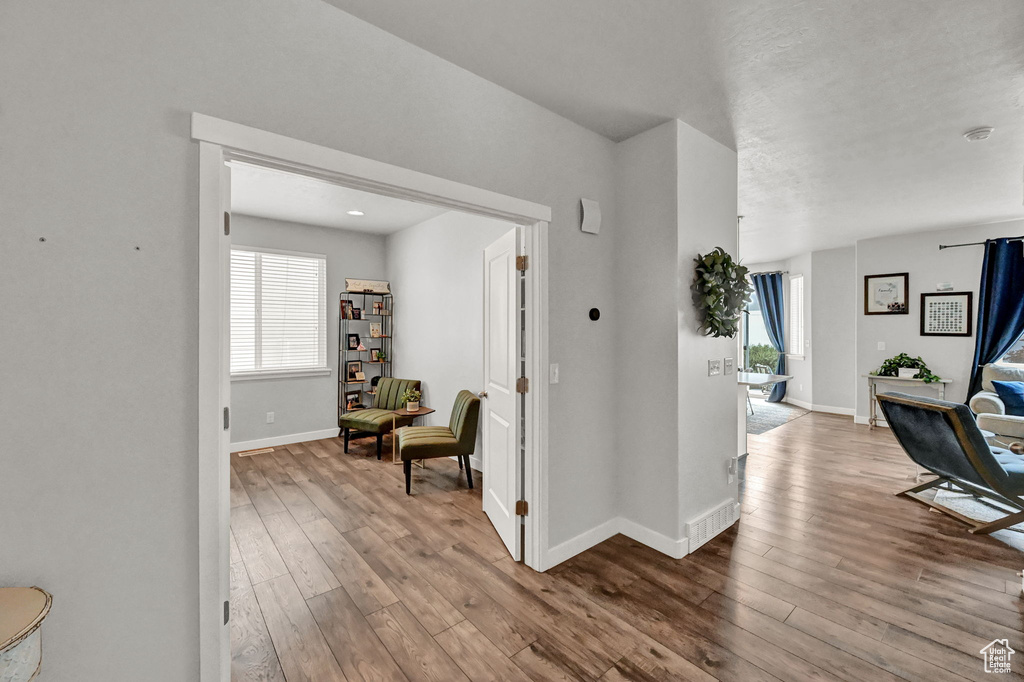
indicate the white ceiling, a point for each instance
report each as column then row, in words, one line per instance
column 847, row 116
column 268, row 193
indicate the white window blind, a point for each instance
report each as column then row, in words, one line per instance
column 796, row 315
column 278, row 311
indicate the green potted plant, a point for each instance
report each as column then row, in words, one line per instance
column 411, row 399
column 380, row 356
column 906, row 367
column 720, row 292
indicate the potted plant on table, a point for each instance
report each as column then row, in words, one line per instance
column 906, row 367
column 411, row 399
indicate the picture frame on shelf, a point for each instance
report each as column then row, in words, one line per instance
column 947, row 313
column 375, row 330
column 357, row 313
column 353, row 341
column 346, row 310
column 353, row 368
column 886, row 294
column 360, row 376
column 353, row 399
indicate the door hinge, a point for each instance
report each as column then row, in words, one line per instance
column 227, row 418
column 522, row 385
column 522, row 263
column 227, row 612
column 227, row 223
column 522, row 508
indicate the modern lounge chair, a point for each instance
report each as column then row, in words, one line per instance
column 943, row 438
column 458, row 439
column 378, row 419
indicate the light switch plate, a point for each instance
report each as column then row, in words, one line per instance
column 730, row 363
column 553, row 373
column 714, row 367
column 881, row 345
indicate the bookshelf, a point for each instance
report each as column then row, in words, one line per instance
column 376, row 316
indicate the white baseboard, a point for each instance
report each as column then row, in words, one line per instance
column 676, row 549
column 845, row 411
column 799, row 403
column 284, row 440
column 864, row 420
column 582, row 542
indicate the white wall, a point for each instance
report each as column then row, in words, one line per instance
column 97, row 159
column 677, row 198
column 707, row 410
column 301, row 404
column 436, row 273
column 833, row 304
column 645, row 363
column 918, row 254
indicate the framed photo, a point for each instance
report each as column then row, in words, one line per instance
column 375, row 330
column 352, row 399
column 346, row 310
column 357, row 313
column 360, row 376
column 886, row 294
column 353, row 368
column 353, row 341
column 948, row 313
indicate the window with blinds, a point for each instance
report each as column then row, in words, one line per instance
column 278, row 311
column 796, row 314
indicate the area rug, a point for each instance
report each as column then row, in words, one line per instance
column 768, row 416
column 981, row 510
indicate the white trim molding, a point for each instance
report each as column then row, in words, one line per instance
column 287, row 439
column 283, row 374
column 799, row 403
column 828, row 409
column 676, row 549
column 221, row 141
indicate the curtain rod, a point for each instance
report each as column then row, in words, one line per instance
column 957, row 246
column 770, row 272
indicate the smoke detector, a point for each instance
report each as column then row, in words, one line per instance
column 978, row 134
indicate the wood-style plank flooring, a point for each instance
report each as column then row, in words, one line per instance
column 337, row 575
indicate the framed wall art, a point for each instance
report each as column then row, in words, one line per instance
column 948, row 313
column 886, row 294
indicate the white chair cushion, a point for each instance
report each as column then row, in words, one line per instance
column 996, row 372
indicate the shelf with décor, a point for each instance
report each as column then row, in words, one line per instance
column 358, row 364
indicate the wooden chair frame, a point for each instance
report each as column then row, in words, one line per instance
column 965, row 442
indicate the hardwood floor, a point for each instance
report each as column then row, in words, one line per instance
column 338, row 575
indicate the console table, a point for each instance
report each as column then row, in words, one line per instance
column 874, row 380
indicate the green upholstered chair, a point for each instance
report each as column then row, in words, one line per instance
column 458, row 439
column 378, row 420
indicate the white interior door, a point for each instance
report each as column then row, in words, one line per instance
column 500, row 410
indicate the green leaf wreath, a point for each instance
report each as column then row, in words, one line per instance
column 720, row 291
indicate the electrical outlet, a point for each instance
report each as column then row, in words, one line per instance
column 553, row 373
column 881, row 345
column 730, row 363
column 714, row 367
column 733, row 469
column 270, row 417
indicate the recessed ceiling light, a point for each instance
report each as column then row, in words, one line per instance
column 978, row 134
column 356, row 213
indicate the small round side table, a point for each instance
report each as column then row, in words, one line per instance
column 22, row 611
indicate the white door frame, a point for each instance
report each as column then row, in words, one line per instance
column 221, row 140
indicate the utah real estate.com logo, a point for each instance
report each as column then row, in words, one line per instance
column 997, row 655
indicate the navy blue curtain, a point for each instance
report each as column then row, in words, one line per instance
column 768, row 287
column 1000, row 305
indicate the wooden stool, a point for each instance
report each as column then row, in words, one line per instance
column 22, row 610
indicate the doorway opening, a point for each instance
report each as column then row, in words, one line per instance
column 517, row 349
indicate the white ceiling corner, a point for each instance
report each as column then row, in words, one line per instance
column 847, row 117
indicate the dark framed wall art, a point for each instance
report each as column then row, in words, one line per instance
column 886, row 294
column 947, row 313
